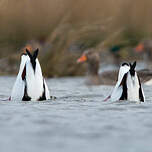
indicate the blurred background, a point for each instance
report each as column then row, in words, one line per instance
column 118, row 30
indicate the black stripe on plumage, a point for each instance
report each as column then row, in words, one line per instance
column 43, row 97
column 123, row 83
column 141, row 97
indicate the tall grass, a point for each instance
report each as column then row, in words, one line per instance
column 63, row 23
column 35, row 19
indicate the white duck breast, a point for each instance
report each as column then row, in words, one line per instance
column 35, row 87
column 19, row 86
column 118, row 89
column 133, row 87
column 34, row 81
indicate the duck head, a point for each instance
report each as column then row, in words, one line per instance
column 139, row 48
column 89, row 56
column 92, row 59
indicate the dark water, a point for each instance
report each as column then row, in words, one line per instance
column 77, row 121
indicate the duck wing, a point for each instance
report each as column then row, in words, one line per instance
column 19, row 85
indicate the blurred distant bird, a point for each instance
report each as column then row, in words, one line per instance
column 115, row 51
column 30, row 84
column 145, row 49
column 128, row 86
column 93, row 62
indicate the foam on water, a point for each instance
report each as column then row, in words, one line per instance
column 77, row 121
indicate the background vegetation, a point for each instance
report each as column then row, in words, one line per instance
column 62, row 29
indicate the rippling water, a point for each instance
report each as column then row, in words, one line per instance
column 77, row 121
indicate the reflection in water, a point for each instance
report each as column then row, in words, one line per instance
column 78, row 120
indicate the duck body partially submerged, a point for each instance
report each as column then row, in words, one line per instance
column 128, row 86
column 30, row 84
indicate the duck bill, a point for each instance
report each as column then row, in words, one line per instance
column 139, row 48
column 82, row 59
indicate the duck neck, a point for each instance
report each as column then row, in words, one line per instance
column 93, row 69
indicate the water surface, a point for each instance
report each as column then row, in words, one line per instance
column 77, row 121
